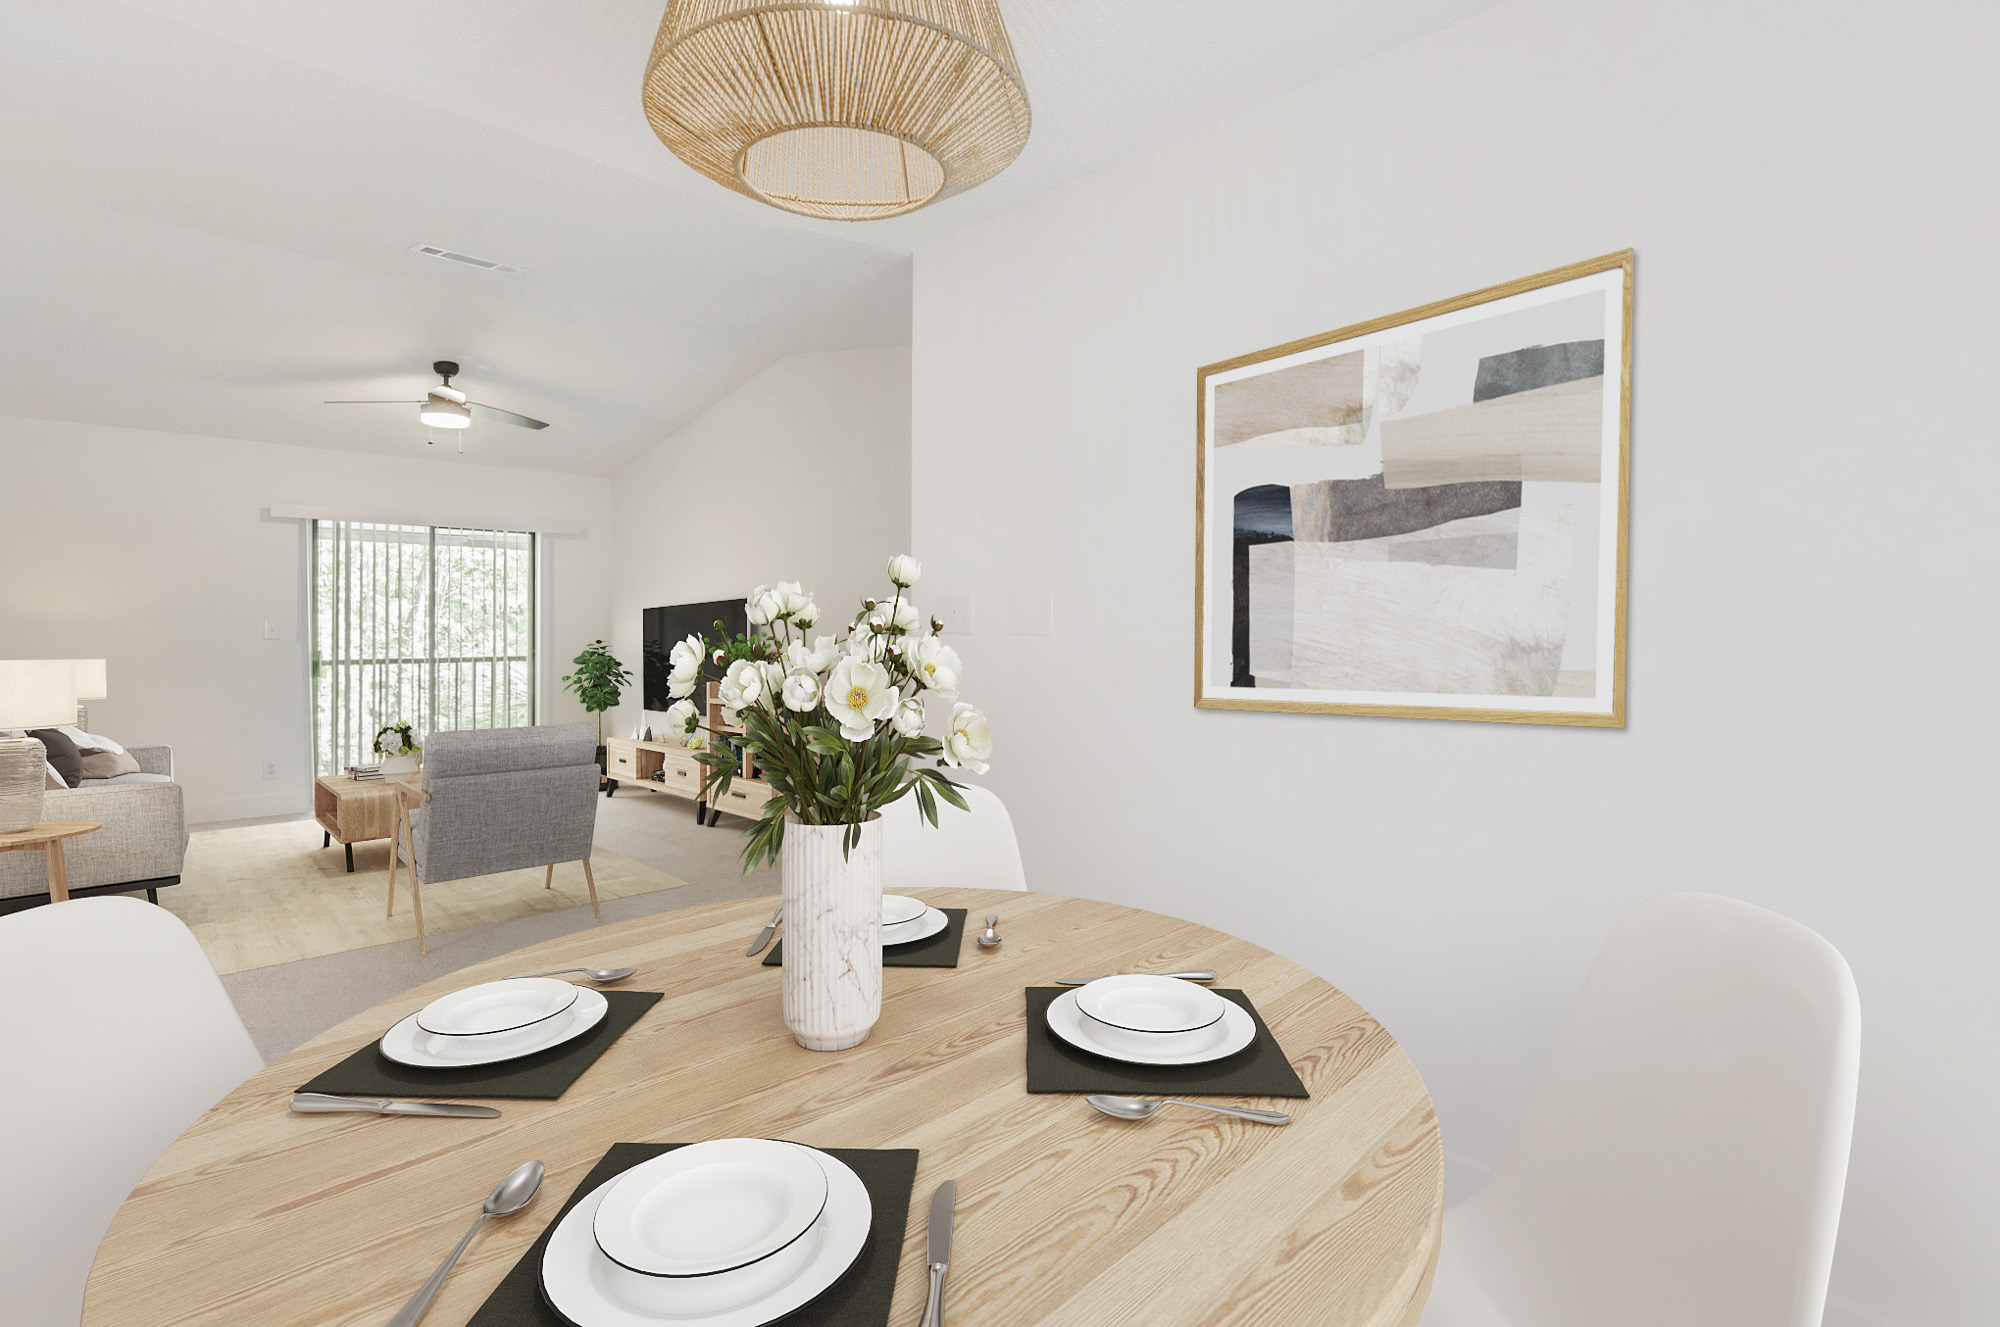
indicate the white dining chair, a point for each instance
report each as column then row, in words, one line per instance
column 1681, row 1158
column 973, row 849
column 118, row 1035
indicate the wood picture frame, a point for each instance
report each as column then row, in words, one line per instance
column 1442, row 496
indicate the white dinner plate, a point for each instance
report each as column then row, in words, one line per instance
column 923, row 928
column 710, row 1207
column 901, row 908
column 1144, row 1003
column 406, row 1043
column 496, row 1006
column 588, row 1288
column 1226, row 1036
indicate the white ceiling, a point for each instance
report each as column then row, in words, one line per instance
column 207, row 207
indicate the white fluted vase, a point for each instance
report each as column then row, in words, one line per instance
column 833, row 933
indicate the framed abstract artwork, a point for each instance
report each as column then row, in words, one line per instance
column 1424, row 516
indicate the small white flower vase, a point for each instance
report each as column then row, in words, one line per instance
column 833, row 933
column 398, row 767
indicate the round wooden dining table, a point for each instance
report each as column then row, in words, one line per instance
column 257, row 1215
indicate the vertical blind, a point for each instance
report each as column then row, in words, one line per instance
column 427, row 625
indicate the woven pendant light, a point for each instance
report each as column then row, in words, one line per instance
column 845, row 109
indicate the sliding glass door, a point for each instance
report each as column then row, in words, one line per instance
column 427, row 625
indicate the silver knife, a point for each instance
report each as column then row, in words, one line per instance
column 939, row 1252
column 1200, row 974
column 319, row 1103
column 764, row 936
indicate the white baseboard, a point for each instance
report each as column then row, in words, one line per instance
column 1843, row 1313
column 206, row 809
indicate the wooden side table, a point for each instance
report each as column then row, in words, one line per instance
column 48, row 836
column 354, row 811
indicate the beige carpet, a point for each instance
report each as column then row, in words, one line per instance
column 265, row 894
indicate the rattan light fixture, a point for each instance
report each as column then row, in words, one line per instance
column 846, row 109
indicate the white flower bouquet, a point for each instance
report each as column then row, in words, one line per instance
column 837, row 723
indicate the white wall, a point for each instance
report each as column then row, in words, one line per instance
column 802, row 473
column 156, row 552
column 1810, row 191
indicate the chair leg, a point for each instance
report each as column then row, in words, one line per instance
column 549, row 880
column 417, row 902
column 395, row 854
column 153, row 897
column 594, row 911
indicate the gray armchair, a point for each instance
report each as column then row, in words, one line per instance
column 141, row 846
column 498, row 799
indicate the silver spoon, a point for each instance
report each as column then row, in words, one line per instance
column 508, row 1197
column 1138, row 1108
column 1199, row 974
column 589, row 974
column 990, row 938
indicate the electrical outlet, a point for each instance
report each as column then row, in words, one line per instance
column 271, row 631
column 270, row 769
column 955, row 611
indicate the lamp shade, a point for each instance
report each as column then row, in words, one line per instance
column 444, row 414
column 845, row 109
column 37, row 693
column 90, row 683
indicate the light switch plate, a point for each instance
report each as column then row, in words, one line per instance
column 955, row 611
column 270, row 631
column 1031, row 614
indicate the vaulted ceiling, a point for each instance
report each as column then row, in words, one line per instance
column 207, row 207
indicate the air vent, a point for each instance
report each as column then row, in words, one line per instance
column 432, row 251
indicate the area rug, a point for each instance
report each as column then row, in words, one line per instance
column 264, row 894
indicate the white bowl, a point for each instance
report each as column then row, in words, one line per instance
column 700, row 1296
column 900, row 908
column 496, row 1006
column 1157, row 1005
column 711, row 1208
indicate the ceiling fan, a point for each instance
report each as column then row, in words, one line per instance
column 447, row 408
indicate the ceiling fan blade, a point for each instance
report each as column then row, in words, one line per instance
column 504, row 416
column 371, row 402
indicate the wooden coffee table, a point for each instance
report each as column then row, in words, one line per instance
column 354, row 811
column 48, row 836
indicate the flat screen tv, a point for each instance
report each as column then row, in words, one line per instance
column 676, row 622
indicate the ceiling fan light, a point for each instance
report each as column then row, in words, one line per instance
column 444, row 414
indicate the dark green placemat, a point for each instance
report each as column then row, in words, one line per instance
column 939, row 951
column 859, row 1299
column 1258, row 1070
column 543, row 1076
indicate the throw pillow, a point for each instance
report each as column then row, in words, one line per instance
column 62, row 754
column 108, row 764
column 89, row 741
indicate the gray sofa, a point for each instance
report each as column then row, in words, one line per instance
column 140, row 847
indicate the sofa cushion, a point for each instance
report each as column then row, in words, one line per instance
column 89, row 741
column 62, row 754
column 108, row 764
column 134, row 778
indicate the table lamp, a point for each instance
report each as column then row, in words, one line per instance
column 34, row 693
column 90, row 685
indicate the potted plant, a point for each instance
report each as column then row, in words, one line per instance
column 398, row 749
column 837, row 724
column 598, row 682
